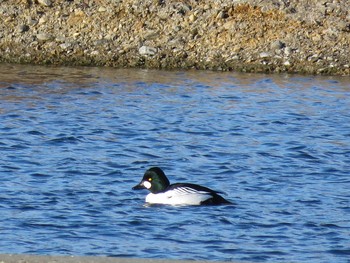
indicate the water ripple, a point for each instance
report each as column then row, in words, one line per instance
column 74, row 142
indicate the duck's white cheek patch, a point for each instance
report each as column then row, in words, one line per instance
column 147, row 184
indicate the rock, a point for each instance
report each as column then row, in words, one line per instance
column 221, row 15
column 8, row 19
column 23, row 28
column 65, row 46
column 264, row 55
column 278, row 44
column 192, row 18
column 43, row 36
column 151, row 34
column 229, row 25
column 147, row 51
column 31, row 22
column 94, row 53
column 60, row 39
column 42, row 20
column 45, row 2
column 287, row 51
column 344, row 26
column 317, row 38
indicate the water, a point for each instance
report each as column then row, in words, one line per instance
column 75, row 140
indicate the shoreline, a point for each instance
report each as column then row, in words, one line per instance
column 242, row 35
column 26, row 258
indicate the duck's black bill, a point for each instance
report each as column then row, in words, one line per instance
column 138, row 187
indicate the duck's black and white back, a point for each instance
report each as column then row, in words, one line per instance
column 162, row 192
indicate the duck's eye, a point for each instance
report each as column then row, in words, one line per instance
column 149, row 179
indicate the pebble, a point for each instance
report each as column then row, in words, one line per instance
column 31, row 22
column 278, row 44
column 43, row 36
column 287, row 51
column 42, row 20
column 45, row 2
column 147, row 51
column 264, row 55
column 65, row 46
column 94, row 53
column 151, row 34
column 221, row 15
column 192, row 18
column 23, row 28
column 317, row 38
column 60, row 39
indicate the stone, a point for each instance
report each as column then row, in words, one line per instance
column 42, row 20
column 317, row 38
column 65, row 46
column 31, row 22
column 192, row 18
column 344, row 26
column 60, row 39
column 264, row 55
column 278, row 44
column 94, row 53
column 147, row 51
column 43, row 36
column 45, row 2
column 151, row 34
column 287, row 51
column 23, row 28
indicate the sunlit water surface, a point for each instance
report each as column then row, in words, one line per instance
column 75, row 140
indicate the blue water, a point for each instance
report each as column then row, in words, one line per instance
column 75, row 140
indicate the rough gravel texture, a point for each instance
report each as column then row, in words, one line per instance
column 295, row 36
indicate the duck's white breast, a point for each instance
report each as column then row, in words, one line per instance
column 179, row 196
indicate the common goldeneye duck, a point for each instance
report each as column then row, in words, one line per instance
column 162, row 192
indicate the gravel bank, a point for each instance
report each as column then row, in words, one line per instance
column 307, row 36
column 8, row 258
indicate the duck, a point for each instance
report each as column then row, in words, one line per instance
column 162, row 192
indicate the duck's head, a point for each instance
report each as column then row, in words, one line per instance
column 154, row 180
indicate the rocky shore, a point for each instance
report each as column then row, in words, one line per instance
column 307, row 36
